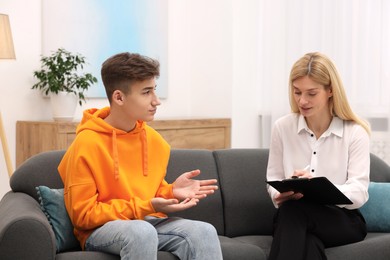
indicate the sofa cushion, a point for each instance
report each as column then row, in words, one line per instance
column 209, row 209
column 379, row 169
column 25, row 232
column 40, row 169
column 376, row 211
column 263, row 242
column 235, row 249
column 248, row 208
column 53, row 205
column 374, row 247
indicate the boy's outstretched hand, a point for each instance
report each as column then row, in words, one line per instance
column 185, row 187
column 172, row 205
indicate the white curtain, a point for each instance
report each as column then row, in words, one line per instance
column 355, row 34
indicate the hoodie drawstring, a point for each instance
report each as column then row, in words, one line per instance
column 145, row 169
column 144, row 153
column 115, row 155
column 93, row 119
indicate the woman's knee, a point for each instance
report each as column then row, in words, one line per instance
column 293, row 207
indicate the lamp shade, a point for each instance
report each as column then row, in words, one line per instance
column 6, row 45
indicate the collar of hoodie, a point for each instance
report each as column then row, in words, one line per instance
column 140, row 129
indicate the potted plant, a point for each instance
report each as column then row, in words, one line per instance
column 60, row 77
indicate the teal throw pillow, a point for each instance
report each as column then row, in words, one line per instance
column 376, row 211
column 53, row 205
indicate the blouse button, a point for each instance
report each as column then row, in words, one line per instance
column 314, row 152
column 312, row 170
column 311, row 135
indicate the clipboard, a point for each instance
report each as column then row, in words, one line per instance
column 316, row 189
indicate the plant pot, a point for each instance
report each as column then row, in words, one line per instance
column 63, row 105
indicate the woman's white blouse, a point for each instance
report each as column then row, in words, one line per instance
column 342, row 154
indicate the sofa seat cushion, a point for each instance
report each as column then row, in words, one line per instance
column 234, row 249
column 264, row 242
column 86, row 255
column 374, row 246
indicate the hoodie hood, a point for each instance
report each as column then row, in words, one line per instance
column 93, row 119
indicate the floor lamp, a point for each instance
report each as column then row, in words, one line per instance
column 6, row 52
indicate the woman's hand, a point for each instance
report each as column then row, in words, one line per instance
column 285, row 196
column 302, row 173
column 291, row 195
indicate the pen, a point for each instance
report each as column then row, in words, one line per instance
column 304, row 169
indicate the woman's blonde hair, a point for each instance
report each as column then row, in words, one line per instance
column 321, row 69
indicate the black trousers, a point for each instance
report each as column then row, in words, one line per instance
column 302, row 230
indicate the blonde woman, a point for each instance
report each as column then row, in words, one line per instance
column 321, row 137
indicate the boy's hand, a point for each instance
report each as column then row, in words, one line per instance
column 172, row 205
column 185, row 187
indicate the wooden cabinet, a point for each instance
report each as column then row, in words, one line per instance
column 33, row 137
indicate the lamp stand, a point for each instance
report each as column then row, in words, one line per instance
column 5, row 148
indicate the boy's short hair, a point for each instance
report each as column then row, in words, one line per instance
column 122, row 69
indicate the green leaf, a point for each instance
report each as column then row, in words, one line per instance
column 61, row 71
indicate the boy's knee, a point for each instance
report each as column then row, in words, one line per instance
column 203, row 229
column 138, row 239
column 138, row 230
column 204, row 242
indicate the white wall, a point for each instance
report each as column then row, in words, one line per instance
column 246, row 91
column 199, row 60
column 227, row 58
column 17, row 101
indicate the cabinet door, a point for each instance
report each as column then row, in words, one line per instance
column 33, row 137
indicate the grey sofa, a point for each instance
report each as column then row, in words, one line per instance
column 240, row 210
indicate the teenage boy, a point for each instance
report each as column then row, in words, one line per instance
column 113, row 173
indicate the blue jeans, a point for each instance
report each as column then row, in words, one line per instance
column 141, row 239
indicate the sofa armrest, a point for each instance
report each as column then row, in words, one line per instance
column 25, row 232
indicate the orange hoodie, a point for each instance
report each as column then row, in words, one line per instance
column 110, row 174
